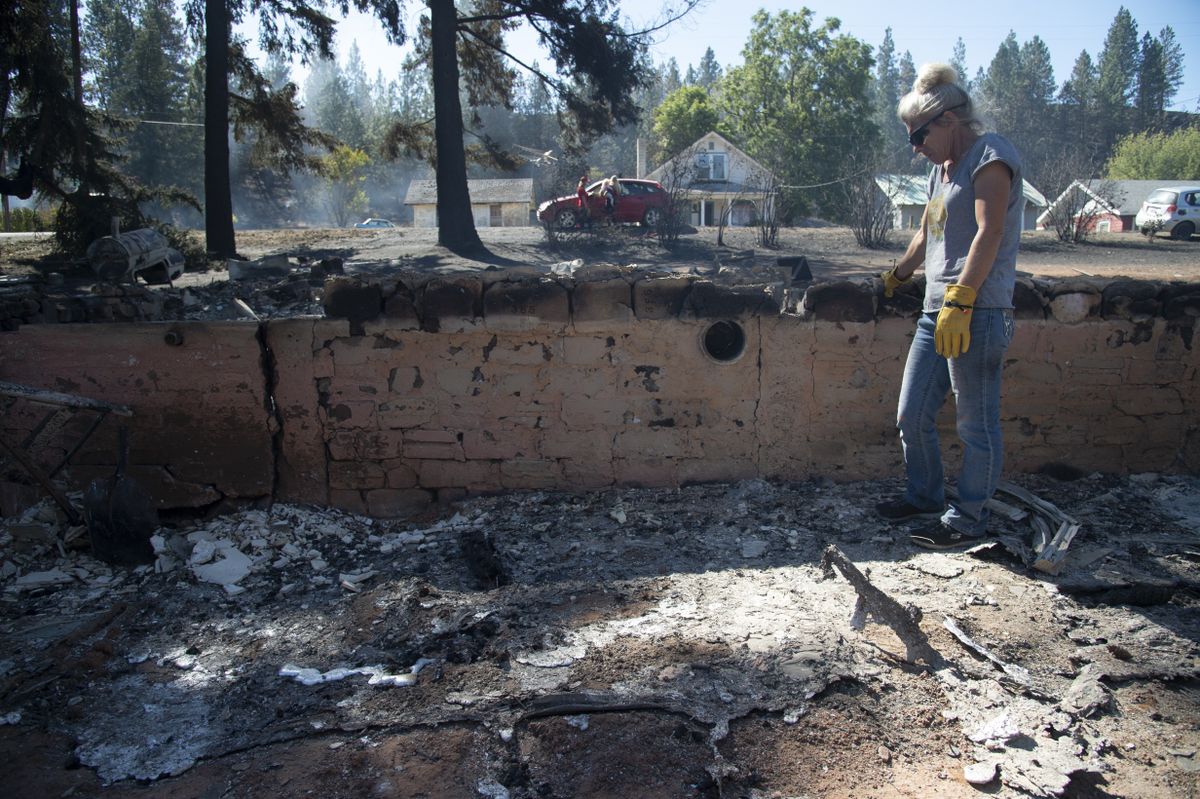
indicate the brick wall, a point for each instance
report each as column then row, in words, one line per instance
column 430, row 388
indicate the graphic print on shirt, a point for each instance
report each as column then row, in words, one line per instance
column 936, row 217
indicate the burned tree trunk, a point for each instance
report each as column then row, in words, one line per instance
column 456, row 226
column 218, row 202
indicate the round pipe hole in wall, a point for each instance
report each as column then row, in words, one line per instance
column 723, row 341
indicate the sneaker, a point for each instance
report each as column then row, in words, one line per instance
column 899, row 510
column 942, row 536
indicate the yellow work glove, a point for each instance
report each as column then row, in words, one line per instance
column 952, row 336
column 892, row 281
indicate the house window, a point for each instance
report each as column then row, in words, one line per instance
column 496, row 215
column 710, row 166
column 717, row 161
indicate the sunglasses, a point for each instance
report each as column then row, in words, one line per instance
column 918, row 136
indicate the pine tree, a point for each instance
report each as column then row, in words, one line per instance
column 45, row 122
column 1150, row 95
column 1172, row 56
column 108, row 43
column 1078, row 104
column 906, row 73
column 958, row 60
column 1117, row 77
column 709, row 72
column 886, row 93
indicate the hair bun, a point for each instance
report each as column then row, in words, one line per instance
column 930, row 76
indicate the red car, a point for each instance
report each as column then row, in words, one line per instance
column 643, row 201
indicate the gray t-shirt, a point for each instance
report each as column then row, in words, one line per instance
column 952, row 227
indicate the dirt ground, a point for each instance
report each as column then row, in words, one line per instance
column 628, row 643
column 831, row 253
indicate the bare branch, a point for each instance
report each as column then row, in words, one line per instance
column 547, row 80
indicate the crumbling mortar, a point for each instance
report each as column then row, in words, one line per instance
column 270, row 378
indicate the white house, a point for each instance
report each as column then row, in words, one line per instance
column 494, row 203
column 909, row 193
column 717, row 178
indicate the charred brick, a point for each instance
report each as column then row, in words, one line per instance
column 445, row 299
column 543, row 301
column 352, row 300
column 841, row 301
column 660, row 298
column 710, row 301
column 1028, row 302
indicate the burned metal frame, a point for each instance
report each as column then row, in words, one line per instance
column 53, row 423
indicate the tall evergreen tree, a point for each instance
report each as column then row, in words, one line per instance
column 671, row 79
column 1001, row 90
column 1034, row 124
column 906, row 73
column 886, row 93
column 958, row 60
column 709, row 71
column 1117, row 79
column 44, row 120
column 158, row 71
column 1172, row 56
column 1149, row 102
column 1078, row 105
column 108, row 35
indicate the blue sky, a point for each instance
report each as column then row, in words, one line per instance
column 926, row 28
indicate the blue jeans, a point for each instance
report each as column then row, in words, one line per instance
column 975, row 380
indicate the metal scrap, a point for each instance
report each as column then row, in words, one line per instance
column 1049, row 550
column 1016, row 672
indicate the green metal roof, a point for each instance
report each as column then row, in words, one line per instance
column 913, row 189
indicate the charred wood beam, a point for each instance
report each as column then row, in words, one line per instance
column 904, row 620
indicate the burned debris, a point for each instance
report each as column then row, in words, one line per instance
column 690, row 622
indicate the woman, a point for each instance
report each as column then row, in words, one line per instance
column 581, row 201
column 968, row 246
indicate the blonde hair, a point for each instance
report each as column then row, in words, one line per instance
column 936, row 89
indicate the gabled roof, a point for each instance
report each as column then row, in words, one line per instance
column 1128, row 195
column 506, row 190
column 726, row 145
column 913, row 189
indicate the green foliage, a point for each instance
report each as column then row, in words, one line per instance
column 685, row 116
column 29, row 220
column 800, row 103
column 1157, row 156
column 886, row 93
column 344, row 172
column 1015, row 97
column 708, row 74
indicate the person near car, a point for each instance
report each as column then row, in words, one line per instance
column 967, row 244
column 581, row 200
column 610, row 188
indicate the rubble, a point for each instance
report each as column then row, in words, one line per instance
column 688, row 628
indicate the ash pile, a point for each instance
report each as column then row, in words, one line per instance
column 705, row 607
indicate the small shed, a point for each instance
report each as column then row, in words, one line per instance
column 1112, row 203
column 503, row 202
column 909, row 193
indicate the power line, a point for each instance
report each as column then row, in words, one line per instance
column 844, row 178
column 177, row 124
